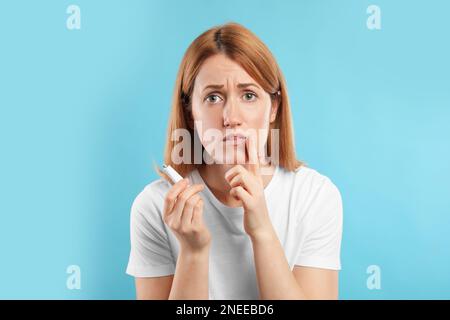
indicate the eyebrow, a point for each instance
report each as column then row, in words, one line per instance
column 220, row 86
column 245, row 85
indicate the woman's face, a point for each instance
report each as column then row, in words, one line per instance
column 226, row 100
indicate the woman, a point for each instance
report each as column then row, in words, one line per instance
column 249, row 221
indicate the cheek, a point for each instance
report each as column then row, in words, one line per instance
column 205, row 114
column 205, row 121
column 258, row 119
column 196, row 113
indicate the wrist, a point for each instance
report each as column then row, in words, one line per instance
column 264, row 236
column 195, row 254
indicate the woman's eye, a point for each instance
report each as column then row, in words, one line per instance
column 249, row 96
column 214, row 98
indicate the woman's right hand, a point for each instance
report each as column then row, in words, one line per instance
column 183, row 211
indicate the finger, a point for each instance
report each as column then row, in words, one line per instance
column 171, row 196
column 252, row 153
column 240, row 180
column 186, row 217
column 181, row 201
column 230, row 174
column 197, row 215
column 241, row 194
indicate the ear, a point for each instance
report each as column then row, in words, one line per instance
column 274, row 110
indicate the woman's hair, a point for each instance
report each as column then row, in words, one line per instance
column 245, row 48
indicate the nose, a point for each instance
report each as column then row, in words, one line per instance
column 231, row 115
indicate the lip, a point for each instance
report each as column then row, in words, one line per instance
column 235, row 138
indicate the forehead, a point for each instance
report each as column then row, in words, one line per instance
column 220, row 69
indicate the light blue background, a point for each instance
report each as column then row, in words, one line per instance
column 83, row 114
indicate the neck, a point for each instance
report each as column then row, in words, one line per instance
column 214, row 176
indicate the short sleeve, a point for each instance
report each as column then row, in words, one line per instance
column 323, row 233
column 150, row 255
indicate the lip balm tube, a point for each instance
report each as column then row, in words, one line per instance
column 173, row 175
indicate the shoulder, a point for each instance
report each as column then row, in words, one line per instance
column 312, row 187
column 316, row 179
column 148, row 203
column 151, row 192
column 307, row 177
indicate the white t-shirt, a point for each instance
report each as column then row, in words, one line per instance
column 305, row 208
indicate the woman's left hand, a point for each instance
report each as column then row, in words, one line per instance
column 247, row 186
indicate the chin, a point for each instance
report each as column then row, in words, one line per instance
column 230, row 159
column 230, row 154
column 234, row 155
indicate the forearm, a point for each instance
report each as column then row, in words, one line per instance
column 275, row 279
column 190, row 281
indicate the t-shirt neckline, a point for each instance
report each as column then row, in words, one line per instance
column 223, row 207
